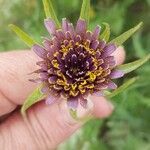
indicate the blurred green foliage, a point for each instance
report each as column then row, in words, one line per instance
column 129, row 126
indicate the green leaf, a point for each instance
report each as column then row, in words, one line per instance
column 85, row 10
column 22, row 35
column 49, row 11
column 106, row 33
column 126, row 68
column 122, row 87
column 123, row 37
column 35, row 97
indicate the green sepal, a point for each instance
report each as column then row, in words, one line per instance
column 35, row 97
column 22, row 35
column 49, row 11
column 123, row 37
column 73, row 113
column 85, row 10
column 126, row 68
column 106, row 33
column 122, row 87
column 106, row 92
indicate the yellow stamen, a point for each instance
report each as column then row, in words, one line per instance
column 73, row 93
column 73, row 86
column 55, row 63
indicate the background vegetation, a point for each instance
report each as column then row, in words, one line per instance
column 129, row 126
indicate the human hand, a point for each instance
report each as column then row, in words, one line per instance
column 48, row 125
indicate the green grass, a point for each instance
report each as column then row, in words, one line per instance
column 129, row 126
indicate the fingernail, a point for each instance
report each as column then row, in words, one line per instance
column 102, row 107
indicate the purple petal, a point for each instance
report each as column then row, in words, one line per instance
column 52, row 79
column 60, row 35
column 65, row 25
column 38, row 80
column 50, row 26
column 105, row 66
column 44, row 89
column 56, row 42
column 85, row 95
column 110, row 60
column 66, row 42
column 43, row 65
column 81, row 26
column 101, row 86
column 71, row 30
column 101, row 45
column 68, row 35
column 83, row 102
column 50, row 71
column 47, row 44
column 116, row 74
column 108, row 50
column 98, row 54
column 44, row 75
column 89, row 35
column 52, row 50
column 36, row 71
column 112, row 85
column 72, row 103
column 40, row 51
column 112, row 64
column 78, row 38
column 94, row 44
column 96, row 32
column 98, row 94
column 51, row 100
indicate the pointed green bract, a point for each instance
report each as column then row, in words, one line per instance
column 122, row 87
column 126, row 68
column 73, row 113
column 106, row 33
column 35, row 97
column 22, row 35
column 123, row 37
column 46, row 8
column 49, row 11
column 106, row 92
column 85, row 10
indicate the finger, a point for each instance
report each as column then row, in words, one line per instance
column 47, row 126
column 14, row 74
column 6, row 106
column 14, row 84
column 119, row 55
column 102, row 107
column 15, row 67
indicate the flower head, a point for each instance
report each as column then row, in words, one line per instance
column 75, row 62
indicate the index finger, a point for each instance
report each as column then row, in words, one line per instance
column 14, row 85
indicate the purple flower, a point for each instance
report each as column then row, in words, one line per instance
column 75, row 63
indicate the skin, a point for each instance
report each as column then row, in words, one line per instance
column 47, row 126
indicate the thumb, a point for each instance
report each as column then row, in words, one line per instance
column 46, row 126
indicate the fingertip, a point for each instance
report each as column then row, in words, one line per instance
column 6, row 106
column 102, row 107
column 119, row 55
